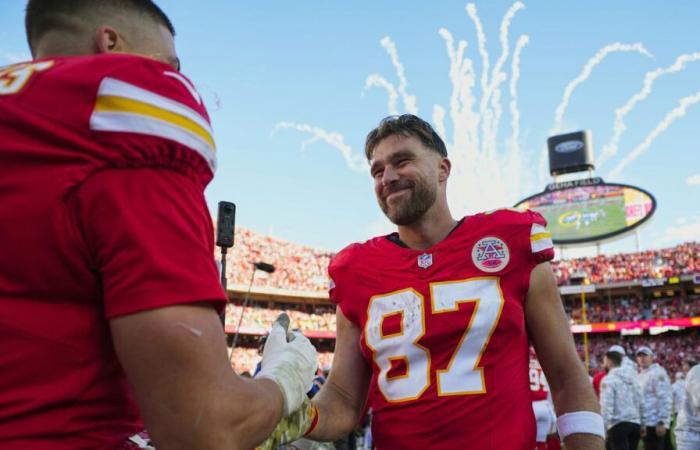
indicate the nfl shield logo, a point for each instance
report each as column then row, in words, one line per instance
column 425, row 260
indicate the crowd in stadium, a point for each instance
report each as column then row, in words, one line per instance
column 670, row 349
column 260, row 318
column 650, row 264
column 322, row 318
column 633, row 309
column 297, row 267
column 244, row 359
column 303, row 268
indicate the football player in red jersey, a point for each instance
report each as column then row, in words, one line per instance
column 433, row 321
column 108, row 287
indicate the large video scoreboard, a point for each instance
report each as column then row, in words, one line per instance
column 591, row 210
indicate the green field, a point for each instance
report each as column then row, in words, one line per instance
column 585, row 219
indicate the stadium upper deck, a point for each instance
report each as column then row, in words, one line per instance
column 301, row 270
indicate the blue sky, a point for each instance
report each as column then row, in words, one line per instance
column 269, row 71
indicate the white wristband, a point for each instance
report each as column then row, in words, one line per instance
column 586, row 422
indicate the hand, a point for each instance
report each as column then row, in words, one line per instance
column 643, row 431
column 289, row 364
column 660, row 430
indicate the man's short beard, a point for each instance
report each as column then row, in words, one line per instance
column 411, row 210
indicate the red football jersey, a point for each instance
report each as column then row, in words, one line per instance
column 104, row 161
column 597, row 380
column 538, row 383
column 444, row 332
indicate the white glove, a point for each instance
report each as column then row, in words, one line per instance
column 291, row 365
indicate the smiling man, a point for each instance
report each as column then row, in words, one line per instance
column 433, row 321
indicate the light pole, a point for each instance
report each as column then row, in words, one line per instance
column 265, row 267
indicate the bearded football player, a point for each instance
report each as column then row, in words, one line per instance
column 433, row 321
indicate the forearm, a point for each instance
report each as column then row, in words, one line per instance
column 234, row 416
column 252, row 419
column 575, row 393
column 584, row 442
column 338, row 414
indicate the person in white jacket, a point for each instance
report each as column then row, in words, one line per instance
column 627, row 363
column 621, row 404
column 678, row 387
column 657, row 401
column 688, row 426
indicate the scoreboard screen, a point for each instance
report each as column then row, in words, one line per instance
column 579, row 212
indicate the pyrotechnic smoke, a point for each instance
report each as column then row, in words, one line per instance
column 610, row 149
column 580, row 79
column 409, row 101
column 486, row 172
column 335, row 140
column 375, row 80
column 675, row 114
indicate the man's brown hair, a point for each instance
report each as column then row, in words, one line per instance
column 615, row 357
column 405, row 125
column 43, row 16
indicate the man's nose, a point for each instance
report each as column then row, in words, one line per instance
column 389, row 176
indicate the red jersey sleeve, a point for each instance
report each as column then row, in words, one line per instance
column 541, row 245
column 339, row 288
column 149, row 236
column 146, row 114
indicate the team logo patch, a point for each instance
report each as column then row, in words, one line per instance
column 490, row 254
column 425, row 260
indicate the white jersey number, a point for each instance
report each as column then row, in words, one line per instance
column 463, row 375
column 13, row 78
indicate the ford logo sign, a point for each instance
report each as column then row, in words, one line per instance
column 568, row 146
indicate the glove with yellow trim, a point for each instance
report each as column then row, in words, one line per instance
column 295, row 426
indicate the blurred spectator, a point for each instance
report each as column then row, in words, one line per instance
column 671, row 349
column 245, row 359
column 632, row 309
column 303, row 268
column 678, row 391
column 657, row 404
column 667, row 262
column 297, row 267
column 257, row 319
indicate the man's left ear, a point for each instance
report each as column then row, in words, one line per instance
column 445, row 168
column 108, row 40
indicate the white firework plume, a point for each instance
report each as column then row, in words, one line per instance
column 488, row 169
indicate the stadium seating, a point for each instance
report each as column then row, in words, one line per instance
column 671, row 349
column 303, row 268
column 297, row 267
column 651, row 264
column 245, row 359
column 633, row 309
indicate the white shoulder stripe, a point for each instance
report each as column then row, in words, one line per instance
column 118, row 88
column 186, row 83
column 542, row 244
column 537, row 228
column 134, row 123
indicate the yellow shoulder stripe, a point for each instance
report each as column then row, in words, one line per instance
column 538, row 236
column 112, row 103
